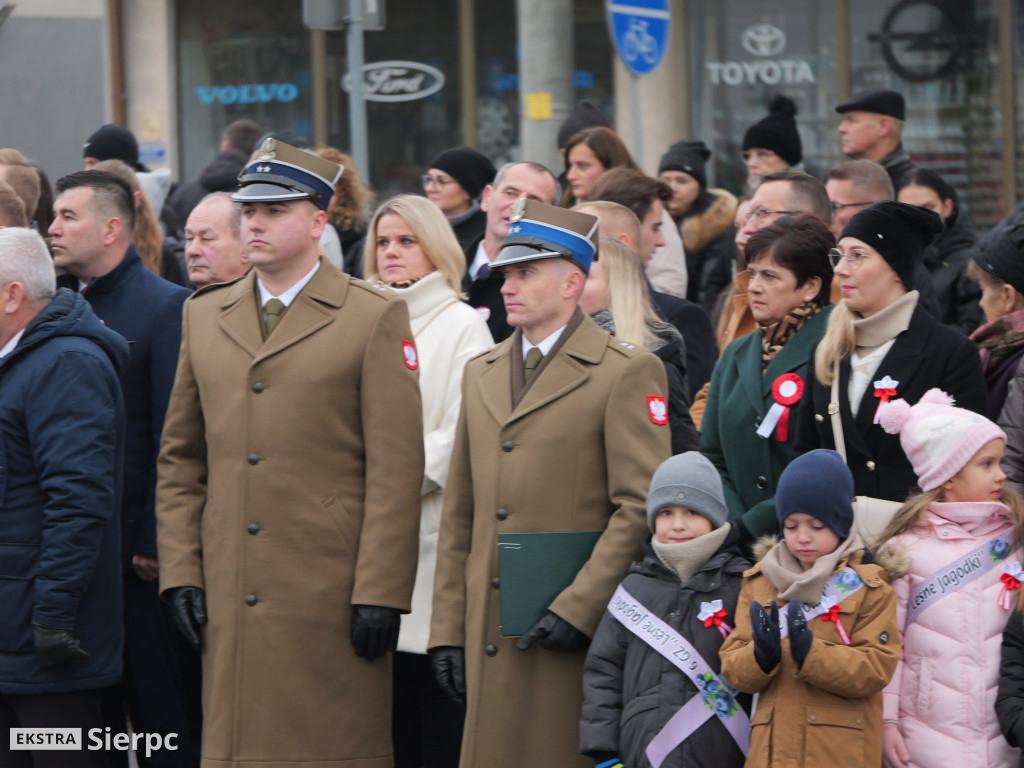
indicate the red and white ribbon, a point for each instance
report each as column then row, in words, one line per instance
column 884, row 389
column 832, row 614
column 713, row 615
column 1013, row 575
column 787, row 391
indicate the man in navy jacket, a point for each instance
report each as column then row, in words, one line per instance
column 61, row 440
column 94, row 217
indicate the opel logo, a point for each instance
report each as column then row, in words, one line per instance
column 763, row 40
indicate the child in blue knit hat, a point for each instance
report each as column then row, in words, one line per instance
column 651, row 685
column 816, row 633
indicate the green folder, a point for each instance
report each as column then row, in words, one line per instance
column 533, row 569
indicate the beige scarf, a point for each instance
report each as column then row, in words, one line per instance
column 886, row 324
column 685, row 558
column 793, row 582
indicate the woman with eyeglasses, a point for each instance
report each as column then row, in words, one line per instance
column 947, row 257
column 880, row 345
column 749, row 420
column 454, row 183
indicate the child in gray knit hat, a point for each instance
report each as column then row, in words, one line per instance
column 677, row 602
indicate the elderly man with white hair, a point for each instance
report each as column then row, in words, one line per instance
column 61, row 440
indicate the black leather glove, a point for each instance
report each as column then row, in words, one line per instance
column 56, row 646
column 449, row 663
column 800, row 637
column 375, row 630
column 188, row 606
column 767, row 636
column 555, row 634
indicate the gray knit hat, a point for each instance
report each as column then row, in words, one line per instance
column 688, row 480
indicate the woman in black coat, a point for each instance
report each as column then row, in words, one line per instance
column 1010, row 697
column 884, row 346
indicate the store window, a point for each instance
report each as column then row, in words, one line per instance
column 741, row 55
column 943, row 57
column 252, row 60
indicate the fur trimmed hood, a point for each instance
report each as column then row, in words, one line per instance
column 699, row 229
column 763, row 544
column 894, row 560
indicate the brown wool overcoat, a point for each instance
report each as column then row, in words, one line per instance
column 289, row 485
column 576, row 454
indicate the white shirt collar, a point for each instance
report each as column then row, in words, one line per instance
column 546, row 345
column 288, row 296
column 10, row 345
column 478, row 261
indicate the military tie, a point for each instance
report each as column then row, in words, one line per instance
column 533, row 358
column 274, row 310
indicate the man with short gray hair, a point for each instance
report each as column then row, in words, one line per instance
column 62, row 437
column 213, row 245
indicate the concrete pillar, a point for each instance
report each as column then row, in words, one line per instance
column 664, row 96
column 547, row 92
column 149, row 76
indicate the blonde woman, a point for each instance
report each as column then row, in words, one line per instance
column 410, row 247
column 615, row 296
column 884, row 346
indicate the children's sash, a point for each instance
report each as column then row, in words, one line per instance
column 950, row 577
column 716, row 696
column 839, row 586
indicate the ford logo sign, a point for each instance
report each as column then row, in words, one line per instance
column 763, row 40
column 398, row 81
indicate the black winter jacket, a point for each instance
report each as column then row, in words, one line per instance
column 630, row 691
column 1010, row 696
column 61, row 442
column 946, row 261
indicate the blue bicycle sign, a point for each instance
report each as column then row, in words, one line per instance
column 640, row 31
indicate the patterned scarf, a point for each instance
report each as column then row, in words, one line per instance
column 999, row 339
column 775, row 335
column 402, row 283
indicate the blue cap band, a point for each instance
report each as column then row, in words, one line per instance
column 581, row 248
column 285, row 174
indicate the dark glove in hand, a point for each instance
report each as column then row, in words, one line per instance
column 188, row 605
column 374, row 630
column 800, row 637
column 56, row 646
column 449, row 663
column 767, row 636
column 555, row 634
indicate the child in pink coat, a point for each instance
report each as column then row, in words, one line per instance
column 957, row 543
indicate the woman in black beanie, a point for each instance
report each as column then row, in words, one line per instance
column 880, row 345
column 773, row 144
column 454, row 183
column 705, row 220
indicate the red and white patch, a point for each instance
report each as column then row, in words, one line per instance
column 412, row 362
column 484, row 312
column 658, row 409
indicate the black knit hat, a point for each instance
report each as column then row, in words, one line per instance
column 881, row 101
column 689, row 157
column 818, row 484
column 584, row 115
column 898, row 231
column 777, row 132
column 1001, row 254
column 114, row 142
column 472, row 170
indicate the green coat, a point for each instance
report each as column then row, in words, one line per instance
column 738, row 400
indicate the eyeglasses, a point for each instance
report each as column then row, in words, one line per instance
column 762, row 213
column 836, row 207
column 437, row 181
column 855, row 259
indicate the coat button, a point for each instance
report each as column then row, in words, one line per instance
column 819, row 418
column 253, row 529
column 257, row 387
column 501, row 514
column 250, row 600
column 859, row 721
column 490, row 650
column 813, row 718
column 507, row 446
column 762, row 482
column 871, row 466
column 496, row 582
column 254, row 459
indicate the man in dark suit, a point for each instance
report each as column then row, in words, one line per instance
column 94, row 216
column 481, row 285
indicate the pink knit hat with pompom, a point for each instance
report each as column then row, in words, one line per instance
column 938, row 438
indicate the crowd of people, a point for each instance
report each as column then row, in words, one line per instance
column 571, row 466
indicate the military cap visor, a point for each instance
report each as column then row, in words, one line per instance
column 279, row 172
